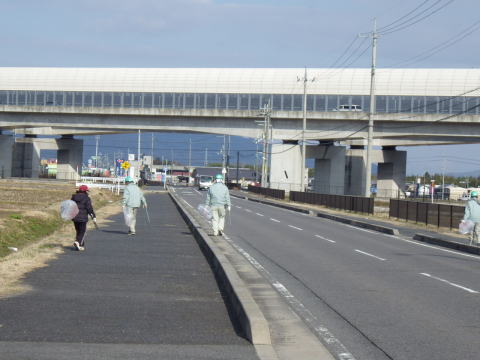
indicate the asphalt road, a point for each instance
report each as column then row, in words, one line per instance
column 149, row 296
column 367, row 295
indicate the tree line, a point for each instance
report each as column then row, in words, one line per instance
column 461, row 181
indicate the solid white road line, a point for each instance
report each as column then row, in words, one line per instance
column 324, row 238
column 259, row 214
column 294, row 227
column 186, row 202
column 275, row 220
column 365, row 253
column 336, row 346
column 450, row 283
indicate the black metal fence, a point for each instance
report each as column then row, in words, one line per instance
column 342, row 202
column 440, row 215
column 274, row 193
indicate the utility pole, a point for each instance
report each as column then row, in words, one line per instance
column 97, row 138
column 138, row 155
column 238, row 165
column 206, row 158
column 266, row 111
column 372, row 112
column 189, row 153
column 152, row 149
column 256, row 161
column 304, row 128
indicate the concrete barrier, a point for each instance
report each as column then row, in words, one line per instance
column 240, row 302
column 448, row 244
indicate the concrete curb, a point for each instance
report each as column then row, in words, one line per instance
column 361, row 224
column 240, row 302
column 448, row 244
column 358, row 223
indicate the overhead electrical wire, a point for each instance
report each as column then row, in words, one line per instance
column 442, row 46
column 408, row 23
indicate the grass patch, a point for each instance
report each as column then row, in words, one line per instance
column 27, row 229
column 15, row 216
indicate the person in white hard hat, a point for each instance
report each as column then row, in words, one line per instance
column 218, row 198
column 132, row 199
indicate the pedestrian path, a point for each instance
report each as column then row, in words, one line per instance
column 148, row 296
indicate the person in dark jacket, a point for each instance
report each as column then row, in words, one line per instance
column 80, row 221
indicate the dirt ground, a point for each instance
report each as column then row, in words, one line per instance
column 31, row 198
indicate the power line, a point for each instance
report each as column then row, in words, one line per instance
column 442, row 46
column 404, row 16
column 406, row 24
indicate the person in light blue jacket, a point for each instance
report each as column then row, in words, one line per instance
column 218, row 198
column 472, row 213
column 132, row 199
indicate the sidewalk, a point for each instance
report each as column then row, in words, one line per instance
column 149, row 296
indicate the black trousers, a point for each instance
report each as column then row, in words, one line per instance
column 81, row 229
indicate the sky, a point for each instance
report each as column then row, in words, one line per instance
column 246, row 33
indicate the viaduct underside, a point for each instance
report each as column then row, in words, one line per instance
column 339, row 157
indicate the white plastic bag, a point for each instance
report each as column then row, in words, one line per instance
column 68, row 209
column 205, row 211
column 466, row 227
column 127, row 215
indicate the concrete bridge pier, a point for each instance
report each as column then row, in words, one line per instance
column 355, row 160
column 285, row 168
column 6, row 149
column 69, row 157
column 26, row 157
column 329, row 168
column 392, row 166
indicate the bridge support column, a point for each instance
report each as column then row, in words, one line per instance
column 329, row 168
column 26, row 157
column 69, row 157
column 6, row 150
column 392, row 166
column 285, row 167
column 355, row 160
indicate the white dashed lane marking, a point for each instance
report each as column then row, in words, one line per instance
column 324, row 238
column 450, row 283
column 368, row 254
column 294, row 227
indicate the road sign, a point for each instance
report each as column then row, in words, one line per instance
column 126, row 165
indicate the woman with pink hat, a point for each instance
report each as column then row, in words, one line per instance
column 80, row 221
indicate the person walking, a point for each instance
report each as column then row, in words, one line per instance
column 218, row 198
column 80, row 221
column 132, row 199
column 472, row 213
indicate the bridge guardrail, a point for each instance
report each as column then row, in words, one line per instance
column 343, row 202
column 439, row 215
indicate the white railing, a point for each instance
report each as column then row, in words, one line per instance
column 116, row 184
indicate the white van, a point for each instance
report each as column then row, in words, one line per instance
column 204, row 182
column 348, row 108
